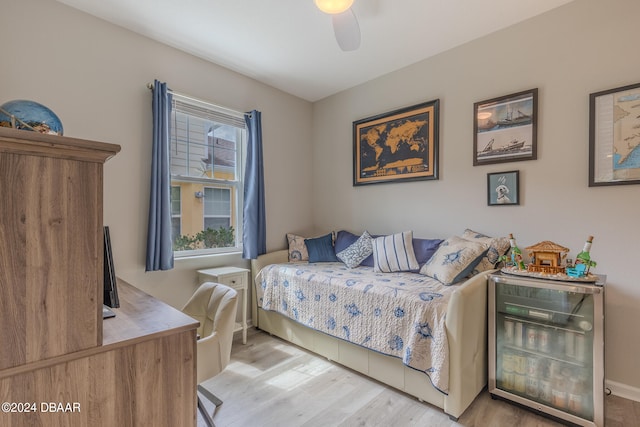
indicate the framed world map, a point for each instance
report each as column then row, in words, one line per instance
column 400, row 145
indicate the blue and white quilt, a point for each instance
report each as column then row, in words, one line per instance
column 398, row 314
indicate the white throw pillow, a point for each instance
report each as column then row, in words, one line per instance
column 394, row 253
column 454, row 260
column 497, row 246
column 353, row 255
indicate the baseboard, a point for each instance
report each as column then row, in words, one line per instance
column 623, row 390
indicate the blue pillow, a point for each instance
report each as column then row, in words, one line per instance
column 321, row 249
column 425, row 248
column 346, row 239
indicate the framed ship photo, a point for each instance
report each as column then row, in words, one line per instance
column 401, row 145
column 505, row 128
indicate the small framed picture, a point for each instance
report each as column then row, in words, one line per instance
column 503, row 188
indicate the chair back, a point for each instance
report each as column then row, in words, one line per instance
column 214, row 305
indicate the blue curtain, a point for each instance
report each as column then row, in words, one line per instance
column 254, row 229
column 159, row 246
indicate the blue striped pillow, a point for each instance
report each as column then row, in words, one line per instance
column 394, row 253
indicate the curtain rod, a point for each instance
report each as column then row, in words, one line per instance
column 228, row 110
column 150, row 87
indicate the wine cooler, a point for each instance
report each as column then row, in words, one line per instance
column 546, row 346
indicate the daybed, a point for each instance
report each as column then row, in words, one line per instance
column 464, row 321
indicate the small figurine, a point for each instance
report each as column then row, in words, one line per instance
column 577, row 271
column 516, row 254
column 548, row 257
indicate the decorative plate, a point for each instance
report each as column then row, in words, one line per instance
column 29, row 115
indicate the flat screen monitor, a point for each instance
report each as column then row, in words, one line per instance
column 110, row 285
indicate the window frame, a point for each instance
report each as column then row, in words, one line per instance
column 234, row 186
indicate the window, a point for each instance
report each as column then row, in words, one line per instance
column 207, row 145
column 217, row 208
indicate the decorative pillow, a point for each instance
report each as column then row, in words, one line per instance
column 357, row 251
column 320, row 249
column 425, row 248
column 297, row 248
column 346, row 239
column 497, row 246
column 454, row 260
column 394, row 253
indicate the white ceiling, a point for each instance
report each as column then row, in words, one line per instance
column 290, row 45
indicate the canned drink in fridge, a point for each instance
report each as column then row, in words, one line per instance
column 533, row 366
column 532, row 387
column 575, row 395
column 508, row 331
column 569, row 344
column 545, row 390
column 543, row 341
column 559, row 392
column 554, row 368
column 518, row 337
column 520, row 364
column 508, row 364
column 508, row 380
column 520, row 383
column 580, row 348
column 532, row 337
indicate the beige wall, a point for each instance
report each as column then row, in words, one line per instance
column 94, row 76
column 583, row 47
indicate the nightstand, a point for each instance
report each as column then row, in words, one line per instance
column 236, row 278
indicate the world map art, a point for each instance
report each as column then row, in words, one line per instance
column 402, row 145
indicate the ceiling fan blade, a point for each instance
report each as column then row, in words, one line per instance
column 347, row 30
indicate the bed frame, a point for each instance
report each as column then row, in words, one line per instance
column 466, row 325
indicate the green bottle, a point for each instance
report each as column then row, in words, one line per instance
column 584, row 257
column 516, row 254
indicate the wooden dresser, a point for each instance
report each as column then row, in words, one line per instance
column 60, row 363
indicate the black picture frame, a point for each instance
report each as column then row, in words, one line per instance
column 614, row 136
column 401, row 145
column 503, row 188
column 505, row 129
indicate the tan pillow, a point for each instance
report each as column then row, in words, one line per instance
column 297, row 248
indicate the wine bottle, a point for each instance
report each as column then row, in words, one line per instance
column 516, row 253
column 584, row 257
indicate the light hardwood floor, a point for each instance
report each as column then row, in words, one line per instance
column 271, row 383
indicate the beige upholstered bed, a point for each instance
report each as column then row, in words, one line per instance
column 466, row 333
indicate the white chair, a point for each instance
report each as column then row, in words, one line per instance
column 214, row 305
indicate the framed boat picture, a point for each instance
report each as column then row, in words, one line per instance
column 505, row 128
column 400, row 145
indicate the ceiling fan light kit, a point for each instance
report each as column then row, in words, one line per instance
column 333, row 6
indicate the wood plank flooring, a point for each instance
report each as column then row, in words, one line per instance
column 272, row 383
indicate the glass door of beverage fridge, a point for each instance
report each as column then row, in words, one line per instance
column 546, row 346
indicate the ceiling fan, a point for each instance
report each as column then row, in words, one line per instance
column 345, row 24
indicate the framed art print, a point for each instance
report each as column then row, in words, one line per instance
column 614, row 136
column 503, row 188
column 505, row 128
column 401, row 145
